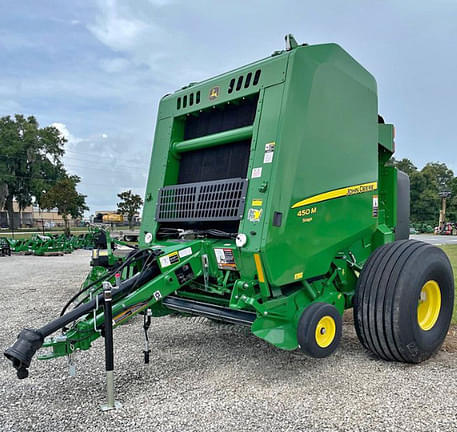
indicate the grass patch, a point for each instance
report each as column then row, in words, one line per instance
column 451, row 251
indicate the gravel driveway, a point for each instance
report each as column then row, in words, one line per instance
column 436, row 240
column 205, row 377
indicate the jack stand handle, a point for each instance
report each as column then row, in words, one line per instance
column 109, row 352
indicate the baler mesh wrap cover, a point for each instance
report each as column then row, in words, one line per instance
column 220, row 200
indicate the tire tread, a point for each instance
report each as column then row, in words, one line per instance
column 377, row 299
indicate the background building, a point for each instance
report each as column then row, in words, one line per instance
column 33, row 216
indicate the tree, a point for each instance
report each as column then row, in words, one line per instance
column 129, row 205
column 425, row 187
column 438, row 178
column 417, row 186
column 30, row 161
column 405, row 165
column 64, row 196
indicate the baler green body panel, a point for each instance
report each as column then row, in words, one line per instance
column 319, row 107
column 326, row 128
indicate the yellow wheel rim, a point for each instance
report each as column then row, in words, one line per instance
column 429, row 306
column 325, row 331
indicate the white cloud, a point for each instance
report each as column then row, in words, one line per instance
column 116, row 30
column 135, row 30
column 175, row 46
column 104, row 166
column 64, row 132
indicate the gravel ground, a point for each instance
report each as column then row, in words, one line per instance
column 205, row 377
column 436, row 240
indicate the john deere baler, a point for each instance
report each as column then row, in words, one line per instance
column 271, row 203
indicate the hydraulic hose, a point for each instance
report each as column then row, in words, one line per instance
column 146, row 263
column 30, row 340
column 104, row 277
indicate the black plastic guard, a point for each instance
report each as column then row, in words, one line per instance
column 25, row 347
column 403, row 202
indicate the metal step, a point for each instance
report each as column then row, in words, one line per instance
column 209, row 310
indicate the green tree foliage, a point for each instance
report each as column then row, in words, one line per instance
column 405, row 165
column 426, row 186
column 129, row 205
column 30, row 161
column 64, row 196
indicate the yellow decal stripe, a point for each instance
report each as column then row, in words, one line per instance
column 337, row 193
column 259, row 268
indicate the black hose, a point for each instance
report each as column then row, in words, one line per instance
column 124, row 288
column 111, row 274
column 102, row 278
column 30, row 340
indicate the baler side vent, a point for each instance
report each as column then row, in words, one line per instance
column 182, row 102
column 220, row 200
column 247, row 81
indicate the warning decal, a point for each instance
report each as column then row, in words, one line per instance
column 225, row 259
column 256, row 172
column 375, row 205
column 185, row 252
column 269, row 153
column 167, row 260
column 127, row 313
column 254, row 215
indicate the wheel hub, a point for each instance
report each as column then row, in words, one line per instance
column 325, row 331
column 429, row 305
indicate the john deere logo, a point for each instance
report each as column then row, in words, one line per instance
column 214, row 93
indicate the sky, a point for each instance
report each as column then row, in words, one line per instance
column 97, row 69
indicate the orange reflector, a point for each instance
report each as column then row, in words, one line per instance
column 258, row 265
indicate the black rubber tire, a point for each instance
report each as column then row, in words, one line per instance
column 306, row 329
column 386, row 299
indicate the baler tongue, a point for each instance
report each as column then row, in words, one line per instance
column 164, row 271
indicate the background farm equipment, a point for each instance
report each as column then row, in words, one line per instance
column 42, row 244
column 447, row 228
column 5, row 248
column 51, row 244
column 269, row 204
column 108, row 218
